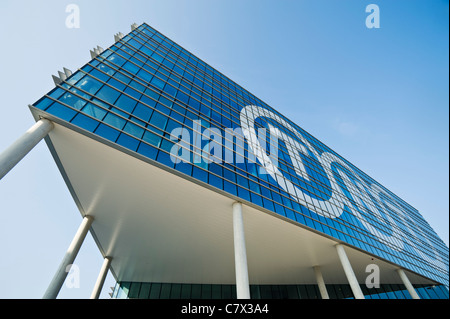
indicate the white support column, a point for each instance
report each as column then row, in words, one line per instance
column 101, row 278
column 354, row 285
column 16, row 151
column 321, row 283
column 408, row 284
column 240, row 254
column 69, row 257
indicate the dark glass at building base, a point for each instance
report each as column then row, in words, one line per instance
column 147, row 290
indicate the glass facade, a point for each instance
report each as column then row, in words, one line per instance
column 146, row 290
column 149, row 95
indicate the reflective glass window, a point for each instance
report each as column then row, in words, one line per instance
column 61, row 111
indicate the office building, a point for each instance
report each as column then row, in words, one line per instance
column 192, row 187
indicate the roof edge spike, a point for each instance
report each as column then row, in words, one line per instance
column 62, row 75
column 118, row 36
column 56, row 79
column 67, row 72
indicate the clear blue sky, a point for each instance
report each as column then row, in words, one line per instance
column 379, row 97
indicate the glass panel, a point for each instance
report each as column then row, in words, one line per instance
column 265, row 291
column 175, row 292
column 107, row 132
column 216, row 291
column 206, row 291
column 196, row 291
column 61, row 111
column 43, row 103
column 147, row 150
column 155, row 291
column 134, row 290
column 143, row 112
column 72, row 100
column 185, row 291
column 227, row 291
column 159, row 120
column 56, row 92
column 165, row 291
column 85, row 122
column 94, row 111
column 157, row 82
column 128, row 142
column 75, row 77
column 145, row 290
column 108, row 94
column 89, row 85
column 134, row 130
column 125, row 103
column 114, row 121
column 152, row 138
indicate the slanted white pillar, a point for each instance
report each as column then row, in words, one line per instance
column 321, row 283
column 240, row 254
column 354, row 285
column 16, row 151
column 61, row 274
column 408, row 284
column 101, row 278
